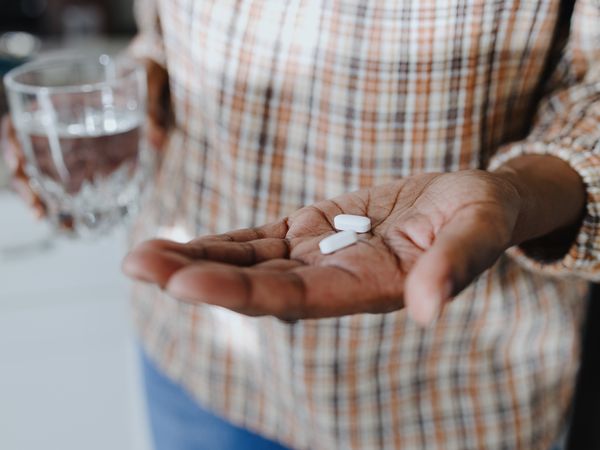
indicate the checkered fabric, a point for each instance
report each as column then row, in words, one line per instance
column 280, row 103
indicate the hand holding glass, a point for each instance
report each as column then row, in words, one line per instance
column 80, row 122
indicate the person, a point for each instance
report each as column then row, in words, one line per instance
column 467, row 131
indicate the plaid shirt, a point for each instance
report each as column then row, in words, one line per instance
column 280, row 103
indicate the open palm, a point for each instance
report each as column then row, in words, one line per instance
column 431, row 235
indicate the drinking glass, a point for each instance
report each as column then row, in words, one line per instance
column 80, row 121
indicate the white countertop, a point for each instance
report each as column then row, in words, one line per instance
column 68, row 362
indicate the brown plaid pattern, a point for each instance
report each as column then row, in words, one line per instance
column 280, row 103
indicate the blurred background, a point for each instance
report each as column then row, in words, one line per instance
column 68, row 361
column 65, row 18
column 103, row 25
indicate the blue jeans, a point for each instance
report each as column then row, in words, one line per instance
column 179, row 423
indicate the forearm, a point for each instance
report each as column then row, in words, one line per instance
column 552, row 194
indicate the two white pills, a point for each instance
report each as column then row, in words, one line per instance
column 348, row 225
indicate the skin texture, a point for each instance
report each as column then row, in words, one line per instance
column 432, row 235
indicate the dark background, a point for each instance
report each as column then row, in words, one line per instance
column 95, row 26
column 67, row 17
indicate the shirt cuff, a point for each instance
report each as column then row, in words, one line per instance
column 582, row 259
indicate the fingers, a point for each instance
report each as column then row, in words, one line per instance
column 156, row 261
column 157, row 134
column 278, row 265
column 465, row 247
column 158, row 86
column 249, row 271
column 23, row 190
column 158, row 264
column 10, row 148
column 153, row 266
column 277, row 230
column 15, row 160
column 286, row 294
column 159, row 104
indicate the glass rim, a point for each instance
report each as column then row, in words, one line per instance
column 11, row 83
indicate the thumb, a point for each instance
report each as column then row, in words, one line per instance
column 464, row 247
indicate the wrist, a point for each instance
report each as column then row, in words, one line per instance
column 551, row 196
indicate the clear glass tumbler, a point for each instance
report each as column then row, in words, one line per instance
column 80, row 121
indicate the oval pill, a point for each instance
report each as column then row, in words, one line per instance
column 338, row 241
column 358, row 224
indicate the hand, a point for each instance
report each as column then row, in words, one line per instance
column 432, row 235
column 15, row 160
column 160, row 118
column 160, row 111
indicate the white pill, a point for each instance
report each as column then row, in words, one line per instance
column 338, row 241
column 359, row 224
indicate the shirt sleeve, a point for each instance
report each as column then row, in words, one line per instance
column 567, row 126
column 148, row 44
